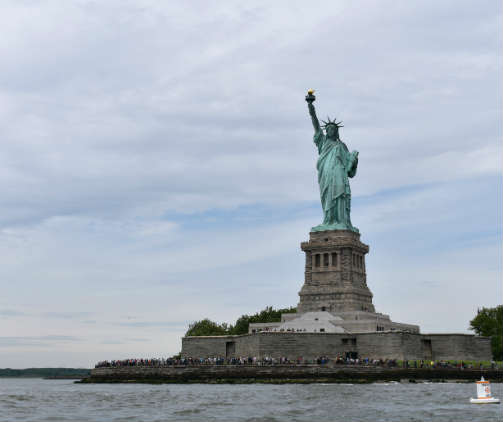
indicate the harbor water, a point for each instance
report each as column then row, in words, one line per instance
column 63, row 400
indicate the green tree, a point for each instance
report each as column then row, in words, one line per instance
column 489, row 322
column 206, row 327
column 269, row 314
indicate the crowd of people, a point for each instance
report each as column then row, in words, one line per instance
column 268, row 360
column 189, row 361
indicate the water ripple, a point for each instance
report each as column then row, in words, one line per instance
column 62, row 400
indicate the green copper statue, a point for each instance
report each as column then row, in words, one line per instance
column 335, row 165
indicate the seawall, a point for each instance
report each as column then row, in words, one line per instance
column 282, row 374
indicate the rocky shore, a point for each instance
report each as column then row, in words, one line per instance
column 217, row 374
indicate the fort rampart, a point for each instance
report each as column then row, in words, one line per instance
column 377, row 345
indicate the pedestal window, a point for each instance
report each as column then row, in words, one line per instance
column 334, row 259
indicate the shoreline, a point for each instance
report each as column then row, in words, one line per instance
column 284, row 374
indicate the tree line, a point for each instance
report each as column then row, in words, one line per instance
column 45, row 372
column 489, row 323
column 206, row 327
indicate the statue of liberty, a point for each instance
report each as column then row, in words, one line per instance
column 335, row 164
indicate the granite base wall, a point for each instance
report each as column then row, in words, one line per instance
column 280, row 373
column 446, row 345
column 379, row 345
column 210, row 346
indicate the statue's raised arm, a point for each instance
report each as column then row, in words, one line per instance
column 312, row 112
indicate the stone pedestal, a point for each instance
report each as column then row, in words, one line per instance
column 335, row 277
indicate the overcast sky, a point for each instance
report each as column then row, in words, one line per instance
column 157, row 164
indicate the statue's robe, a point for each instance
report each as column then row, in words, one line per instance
column 335, row 164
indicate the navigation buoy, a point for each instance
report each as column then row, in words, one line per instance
column 484, row 393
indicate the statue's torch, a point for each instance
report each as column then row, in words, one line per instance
column 310, row 96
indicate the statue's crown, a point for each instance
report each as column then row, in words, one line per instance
column 331, row 122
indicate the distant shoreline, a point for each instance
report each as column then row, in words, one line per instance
column 47, row 373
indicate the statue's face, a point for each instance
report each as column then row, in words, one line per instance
column 332, row 131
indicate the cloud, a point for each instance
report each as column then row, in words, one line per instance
column 125, row 341
column 10, row 313
column 159, row 161
column 148, row 324
column 66, row 315
column 36, row 341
